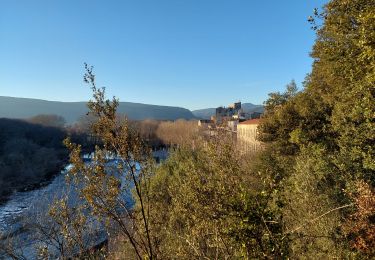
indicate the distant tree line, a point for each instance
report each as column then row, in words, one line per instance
column 48, row 120
column 159, row 134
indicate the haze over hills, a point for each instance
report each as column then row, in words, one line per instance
column 12, row 107
column 206, row 113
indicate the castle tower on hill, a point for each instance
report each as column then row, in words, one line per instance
column 227, row 113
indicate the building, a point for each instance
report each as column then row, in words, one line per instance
column 235, row 106
column 240, row 116
column 224, row 114
column 247, row 132
column 255, row 115
column 232, row 125
column 205, row 123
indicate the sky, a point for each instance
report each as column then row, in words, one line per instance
column 188, row 53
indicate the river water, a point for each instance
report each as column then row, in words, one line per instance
column 21, row 203
column 22, row 207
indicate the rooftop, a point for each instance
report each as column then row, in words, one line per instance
column 251, row 122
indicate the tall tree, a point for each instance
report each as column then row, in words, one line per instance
column 324, row 136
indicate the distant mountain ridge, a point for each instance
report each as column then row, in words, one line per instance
column 13, row 107
column 206, row 113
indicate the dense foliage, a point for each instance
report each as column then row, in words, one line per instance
column 326, row 134
column 207, row 203
column 29, row 154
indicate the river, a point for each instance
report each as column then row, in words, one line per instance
column 24, row 206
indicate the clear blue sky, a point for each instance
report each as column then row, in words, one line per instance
column 189, row 53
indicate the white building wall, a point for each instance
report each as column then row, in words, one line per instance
column 247, row 137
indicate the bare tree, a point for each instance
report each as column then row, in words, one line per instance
column 121, row 167
column 179, row 132
column 48, row 120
